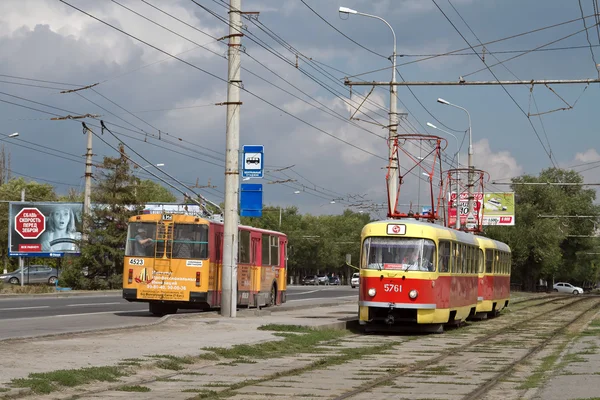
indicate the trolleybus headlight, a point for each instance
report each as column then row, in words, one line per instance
column 372, row 292
column 413, row 294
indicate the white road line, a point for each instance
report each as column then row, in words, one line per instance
column 23, row 308
column 94, row 304
column 326, row 298
column 76, row 315
column 297, row 294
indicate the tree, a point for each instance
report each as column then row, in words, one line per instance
column 11, row 191
column 115, row 202
column 148, row 191
column 545, row 248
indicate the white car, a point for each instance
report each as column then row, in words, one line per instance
column 567, row 288
column 354, row 282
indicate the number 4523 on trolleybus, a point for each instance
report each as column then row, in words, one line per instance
column 174, row 261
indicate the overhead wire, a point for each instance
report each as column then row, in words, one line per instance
column 503, row 87
column 587, row 36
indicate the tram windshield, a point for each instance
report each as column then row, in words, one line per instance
column 394, row 253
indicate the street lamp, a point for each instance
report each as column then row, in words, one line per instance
column 470, row 159
column 12, row 135
column 429, row 124
column 393, row 116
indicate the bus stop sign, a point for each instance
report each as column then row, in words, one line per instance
column 253, row 162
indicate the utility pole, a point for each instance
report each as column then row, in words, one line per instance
column 393, row 133
column 87, row 195
column 232, row 139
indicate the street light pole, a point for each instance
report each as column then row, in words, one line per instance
column 470, row 161
column 393, row 118
column 457, row 223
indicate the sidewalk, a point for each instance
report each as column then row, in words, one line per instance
column 179, row 335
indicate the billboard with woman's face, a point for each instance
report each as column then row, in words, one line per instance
column 44, row 229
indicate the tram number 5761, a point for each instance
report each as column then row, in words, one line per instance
column 390, row 287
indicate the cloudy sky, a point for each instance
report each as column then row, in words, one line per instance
column 300, row 114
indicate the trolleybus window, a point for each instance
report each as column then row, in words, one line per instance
column 270, row 250
column 244, row 245
column 141, row 239
column 399, row 254
column 191, row 241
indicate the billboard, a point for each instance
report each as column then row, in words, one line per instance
column 53, row 229
column 499, row 208
column 44, row 229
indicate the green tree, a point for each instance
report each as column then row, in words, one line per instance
column 11, row 191
column 550, row 248
column 148, row 191
column 102, row 255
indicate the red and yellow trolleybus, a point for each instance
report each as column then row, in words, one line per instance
column 174, row 261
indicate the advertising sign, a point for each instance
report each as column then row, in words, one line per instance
column 44, row 229
column 499, row 208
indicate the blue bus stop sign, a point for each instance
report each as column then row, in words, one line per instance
column 251, row 200
column 253, row 162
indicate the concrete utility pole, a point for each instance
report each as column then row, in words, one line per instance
column 231, row 214
column 87, row 194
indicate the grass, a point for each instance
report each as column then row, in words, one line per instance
column 136, row 388
column 174, row 363
column 48, row 382
column 537, row 377
column 27, row 289
column 296, row 340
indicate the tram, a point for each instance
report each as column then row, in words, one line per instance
column 174, row 261
column 494, row 277
column 414, row 272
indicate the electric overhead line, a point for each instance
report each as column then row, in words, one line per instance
column 504, row 88
column 587, row 35
column 505, row 67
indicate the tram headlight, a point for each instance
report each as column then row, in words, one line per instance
column 413, row 294
column 372, row 292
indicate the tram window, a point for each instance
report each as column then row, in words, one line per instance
column 454, row 267
column 489, row 261
column 274, row 244
column 471, row 259
column 465, row 259
column 244, row 247
column 444, row 257
column 480, row 264
column 395, row 253
column 266, row 251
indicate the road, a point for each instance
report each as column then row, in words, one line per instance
column 22, row 317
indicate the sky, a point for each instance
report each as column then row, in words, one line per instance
column 295, row 58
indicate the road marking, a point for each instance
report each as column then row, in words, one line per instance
column 297, row 294
column 22, row 308
column 76, row 315
column 94, row 304
column 324, row 298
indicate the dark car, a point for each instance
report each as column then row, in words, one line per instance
column 310, row 280
column 334, row 280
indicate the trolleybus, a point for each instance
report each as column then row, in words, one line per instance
column 174, row 261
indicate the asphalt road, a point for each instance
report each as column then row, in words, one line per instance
column 47, row 315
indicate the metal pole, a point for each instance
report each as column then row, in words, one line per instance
column 393, row 131
column 231, row 215
column 470, row 166
column 457, row 224
column 87, row 195
column 21, row 260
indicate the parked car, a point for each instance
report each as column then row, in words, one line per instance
column 310, row 280
column 334, row 280
column 323, row 280
column 32, row 274
column 354, row 281
column 567, row 288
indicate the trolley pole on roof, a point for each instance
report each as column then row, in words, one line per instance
column 232, row 139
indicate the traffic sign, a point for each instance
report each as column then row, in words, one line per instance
column 30, row 223
column 253, row 162
column 251, row 200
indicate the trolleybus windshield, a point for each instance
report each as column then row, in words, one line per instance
column 141, row 239
column 405, row 254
